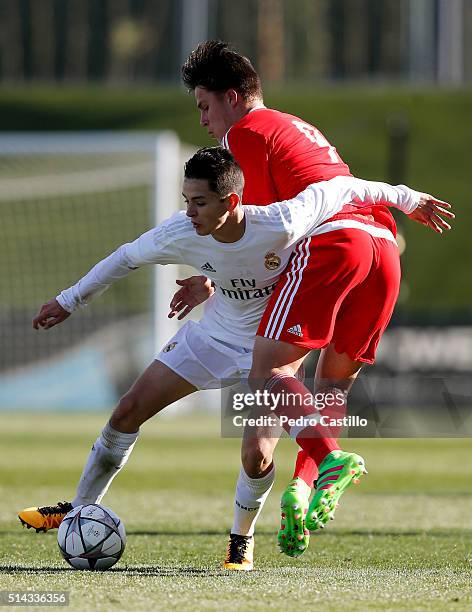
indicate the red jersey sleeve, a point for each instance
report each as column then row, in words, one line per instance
column 250, row 150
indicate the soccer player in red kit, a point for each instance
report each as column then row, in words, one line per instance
column 353, row 279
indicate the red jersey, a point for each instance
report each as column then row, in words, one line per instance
column 280, row 155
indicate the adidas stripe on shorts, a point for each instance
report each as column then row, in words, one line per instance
column 340, row 286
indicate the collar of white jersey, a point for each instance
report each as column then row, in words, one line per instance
column 224, row 141
column 234, row 246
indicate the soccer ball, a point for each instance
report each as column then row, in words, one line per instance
column 91, row 537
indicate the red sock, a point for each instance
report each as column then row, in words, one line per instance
column 317, row 448
column 317, row 440
column 305, row 468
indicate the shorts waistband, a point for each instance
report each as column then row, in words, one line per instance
column 373, row 230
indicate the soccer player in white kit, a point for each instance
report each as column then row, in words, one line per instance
column 234, row 242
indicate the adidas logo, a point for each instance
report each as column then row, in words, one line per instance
column 296, row 329
column 208, row 267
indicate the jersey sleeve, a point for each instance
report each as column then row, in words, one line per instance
column 153, row 247
column 249, row 148
column 299, row 216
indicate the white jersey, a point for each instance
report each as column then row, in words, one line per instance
column 244, row 272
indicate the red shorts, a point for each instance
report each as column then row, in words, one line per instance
column 339, row 287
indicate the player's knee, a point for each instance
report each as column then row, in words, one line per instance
column 331, row 394
column 125, row 415
column 256, row 459
column 332, row 401
column 260, row 374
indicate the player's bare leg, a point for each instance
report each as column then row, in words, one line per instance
column 280, row 358
column 273, row 367
column 334, row 372
column 255, row 481
column 155, row 389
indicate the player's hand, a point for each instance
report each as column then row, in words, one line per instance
column 194, row 291
column 430, row 212
column 50, row 314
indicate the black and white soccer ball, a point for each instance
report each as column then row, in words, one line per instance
column 91, row 537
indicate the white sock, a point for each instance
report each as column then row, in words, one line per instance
column 251, row 494
column 109, row 454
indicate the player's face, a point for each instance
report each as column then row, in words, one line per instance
column 207, row 211
column 217, row 112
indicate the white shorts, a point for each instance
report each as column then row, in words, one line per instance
column 204, row 362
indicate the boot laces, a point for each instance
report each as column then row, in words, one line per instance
column 237, row 547
column 61, row 508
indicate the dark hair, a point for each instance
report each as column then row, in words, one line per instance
column 219, row 168
column 215, row 66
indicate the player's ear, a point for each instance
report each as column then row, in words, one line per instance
column 232, row 97
column 233, row 201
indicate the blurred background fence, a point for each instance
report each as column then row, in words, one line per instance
column 297, row 40
column 387, row 81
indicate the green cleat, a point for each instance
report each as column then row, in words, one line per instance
column 293, row 537
column 337, row 471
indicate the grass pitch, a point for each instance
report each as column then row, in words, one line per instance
column 401, row 540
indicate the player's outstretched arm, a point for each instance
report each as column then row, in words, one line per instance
column 421, row 207
column 152, row 247
column 95, row 282
column 320, row 201
column 51, row 314
column 194, row 291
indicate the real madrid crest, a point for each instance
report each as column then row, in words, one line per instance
column 169, row 347
column 272, row 261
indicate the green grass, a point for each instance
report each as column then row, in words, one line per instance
column 401, row 540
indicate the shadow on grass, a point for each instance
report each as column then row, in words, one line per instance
column 158, row 533
column 270, row 534
column 377, row 533
column 135, row 532
column 129, row 571
column 333, row 532
column 398, row 534
column 15, row 569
